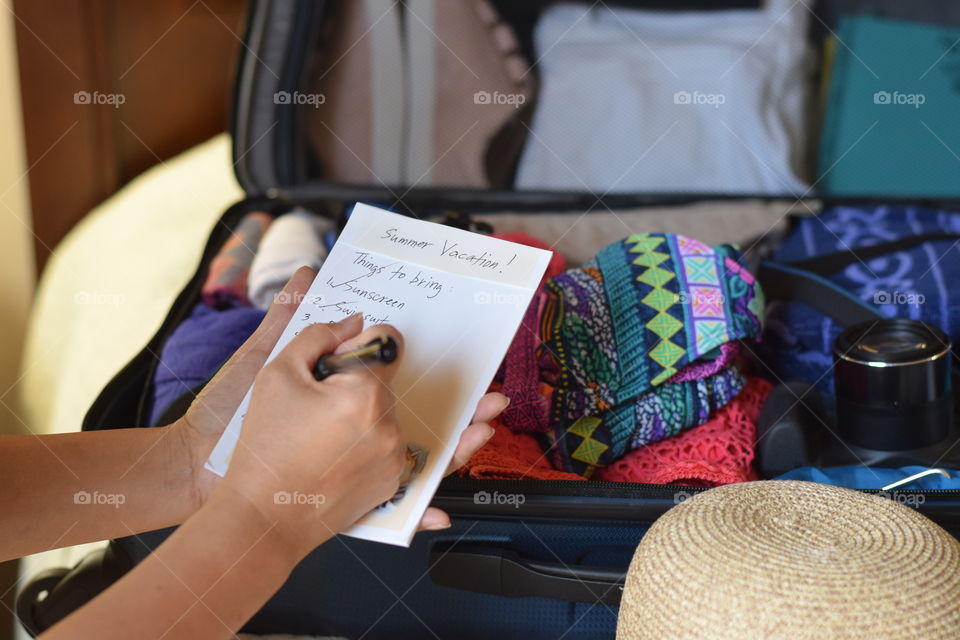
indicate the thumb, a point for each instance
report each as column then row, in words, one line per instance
column 249, row 358
column 316, row 340
column 385, row 373
column 281, row 310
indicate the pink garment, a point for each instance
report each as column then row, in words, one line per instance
column 720, row 451
column 528, row 407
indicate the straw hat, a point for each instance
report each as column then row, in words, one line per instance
column 797, row 560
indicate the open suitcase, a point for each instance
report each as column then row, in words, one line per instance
column 550, row 567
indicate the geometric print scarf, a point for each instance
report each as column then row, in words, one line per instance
column 614, row 338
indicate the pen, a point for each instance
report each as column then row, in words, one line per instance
column 379, row 351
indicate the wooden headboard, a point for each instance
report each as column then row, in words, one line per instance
column 113, row 87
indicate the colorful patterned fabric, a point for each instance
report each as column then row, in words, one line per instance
column 592, row 442
column 609, row 338
column 726, row 355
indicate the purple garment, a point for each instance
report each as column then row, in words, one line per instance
column 197, row 349
column 706, row 367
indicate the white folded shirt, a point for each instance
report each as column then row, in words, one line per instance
column 670, row 101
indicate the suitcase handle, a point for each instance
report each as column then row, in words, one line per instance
column 503, row 572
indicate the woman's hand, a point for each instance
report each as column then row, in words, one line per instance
column 211, row 411
column 314, row 457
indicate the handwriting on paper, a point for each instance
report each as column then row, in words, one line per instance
column 457, row 297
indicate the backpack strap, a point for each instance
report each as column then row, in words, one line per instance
column 805, row 280
column 829, row 263
column 786, row 282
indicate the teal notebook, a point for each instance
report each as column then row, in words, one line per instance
column 892, row 121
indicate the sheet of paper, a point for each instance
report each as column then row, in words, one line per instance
column 458, row 299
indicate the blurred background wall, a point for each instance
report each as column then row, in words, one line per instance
column 164, row 71
column 16, row 262
column 167, row 71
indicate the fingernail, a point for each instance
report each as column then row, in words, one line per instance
column 439, row 527
column 505, row 405
column 492, row 433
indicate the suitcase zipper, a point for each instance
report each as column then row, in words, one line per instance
column 630, row 502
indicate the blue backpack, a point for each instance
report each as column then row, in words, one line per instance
column 851, row 264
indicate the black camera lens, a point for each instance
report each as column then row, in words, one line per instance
column 893, row 384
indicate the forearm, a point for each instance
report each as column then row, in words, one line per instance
column 72, row 488
column 204, row 582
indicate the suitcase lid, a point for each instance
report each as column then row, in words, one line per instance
column 272, row 111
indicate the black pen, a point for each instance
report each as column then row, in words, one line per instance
column 379, row 351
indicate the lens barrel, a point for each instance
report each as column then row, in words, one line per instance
column 893, row 384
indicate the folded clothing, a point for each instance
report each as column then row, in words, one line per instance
column 296, row 239
column 226, row 283
column 423, row 92
column 512, row 456
column 592, row 442
column 720, row 451
column 704, row 100
column 860, row 477
column 608, row 336
column 889, row 129
column 469, row 92
column 915, row 283
column 196, row 350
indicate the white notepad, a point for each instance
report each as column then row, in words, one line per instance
column 458, row 299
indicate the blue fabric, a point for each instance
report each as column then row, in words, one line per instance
column 919, row 283
column 197, row 348
column 859, row 477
